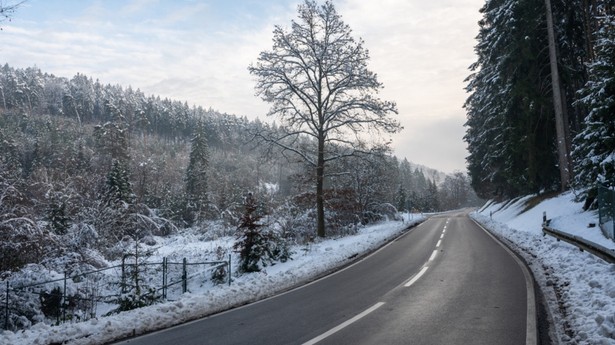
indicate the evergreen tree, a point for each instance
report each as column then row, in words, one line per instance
column 251, row 244
column 510, row 127
column 258, row 246
column 432, row 203
column 401, row 198
column 594, row 151
column 118, row 188
column 196, row 173
column 59, row 221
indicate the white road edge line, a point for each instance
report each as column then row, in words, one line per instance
column 344, row 325
column 531, row 327
column 417, row 276
column 433, row 255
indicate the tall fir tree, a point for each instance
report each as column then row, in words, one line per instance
column 118, row 187
column 196, row 173
column 251, row 243
column 594, row 151
column 510, row 127
column 402, row 203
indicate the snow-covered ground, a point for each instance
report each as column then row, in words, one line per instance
column 308, row 263
column 579, row 287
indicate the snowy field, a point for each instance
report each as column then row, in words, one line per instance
column 579, row 287
column 308, row 263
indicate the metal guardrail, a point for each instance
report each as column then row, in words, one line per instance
column 602, row 252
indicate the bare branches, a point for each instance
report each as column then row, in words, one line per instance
column 317, row 82
column 7, row 9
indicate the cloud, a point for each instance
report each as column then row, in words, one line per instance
column 421, row 51
column 199, row 51
column 436, row 143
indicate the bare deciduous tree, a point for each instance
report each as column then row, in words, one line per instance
column 317, row 81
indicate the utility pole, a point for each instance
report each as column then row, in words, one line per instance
column 560, row 125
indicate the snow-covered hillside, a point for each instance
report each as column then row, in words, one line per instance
column 579, row 287
column 309, row 262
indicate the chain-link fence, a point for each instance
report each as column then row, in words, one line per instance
column 86, row 295
column 606, row 210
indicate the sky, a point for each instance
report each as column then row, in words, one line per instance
column 199, row 51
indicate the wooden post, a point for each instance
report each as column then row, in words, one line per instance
column 184, row 277
column 6, row 319
column 229, row 270
column 64, row 304
column 164, row 278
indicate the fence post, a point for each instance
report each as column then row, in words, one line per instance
column 123, row 279
column 165, row 277
column 229, row 270
column 64, row 300
column 612, row 215
column 184, row 277
column 6, row 320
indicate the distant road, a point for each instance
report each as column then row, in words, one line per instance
column 444, row 282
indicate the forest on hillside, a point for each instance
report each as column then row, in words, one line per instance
column 519, row 81
column 86, row 166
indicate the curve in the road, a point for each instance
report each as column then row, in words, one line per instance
column 444, row 282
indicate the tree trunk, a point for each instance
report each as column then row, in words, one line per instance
column 3, row 98
column 320, row 198
column 560, row 125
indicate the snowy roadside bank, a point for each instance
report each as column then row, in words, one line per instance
column 579, row 287
column 309, row 262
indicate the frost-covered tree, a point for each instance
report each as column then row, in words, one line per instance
column 594, row 151
column 402, row 202
column 57, row 216
column 455, row 191
column 252, row 243
column 317, row 81
column 510, row 127
column 118, row 187
column 196, row 173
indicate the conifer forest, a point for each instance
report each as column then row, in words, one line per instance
column 519, row 82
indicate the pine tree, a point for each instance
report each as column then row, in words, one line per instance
column 118, row 188
column 196, row 173
column 510, row 127
column 401, row 198
column 252, row 244
column 594, row 151
column 431, row 198
column 59, row 221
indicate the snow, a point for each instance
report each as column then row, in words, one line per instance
column 309, row 262
column 579, row 287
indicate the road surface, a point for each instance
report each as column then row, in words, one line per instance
column 446, row 281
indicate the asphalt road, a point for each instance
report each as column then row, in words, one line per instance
column 444, row 282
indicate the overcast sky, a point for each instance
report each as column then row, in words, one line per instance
column 199, row 51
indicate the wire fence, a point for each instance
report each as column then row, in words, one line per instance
column 606, row 210
column 83, row 296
